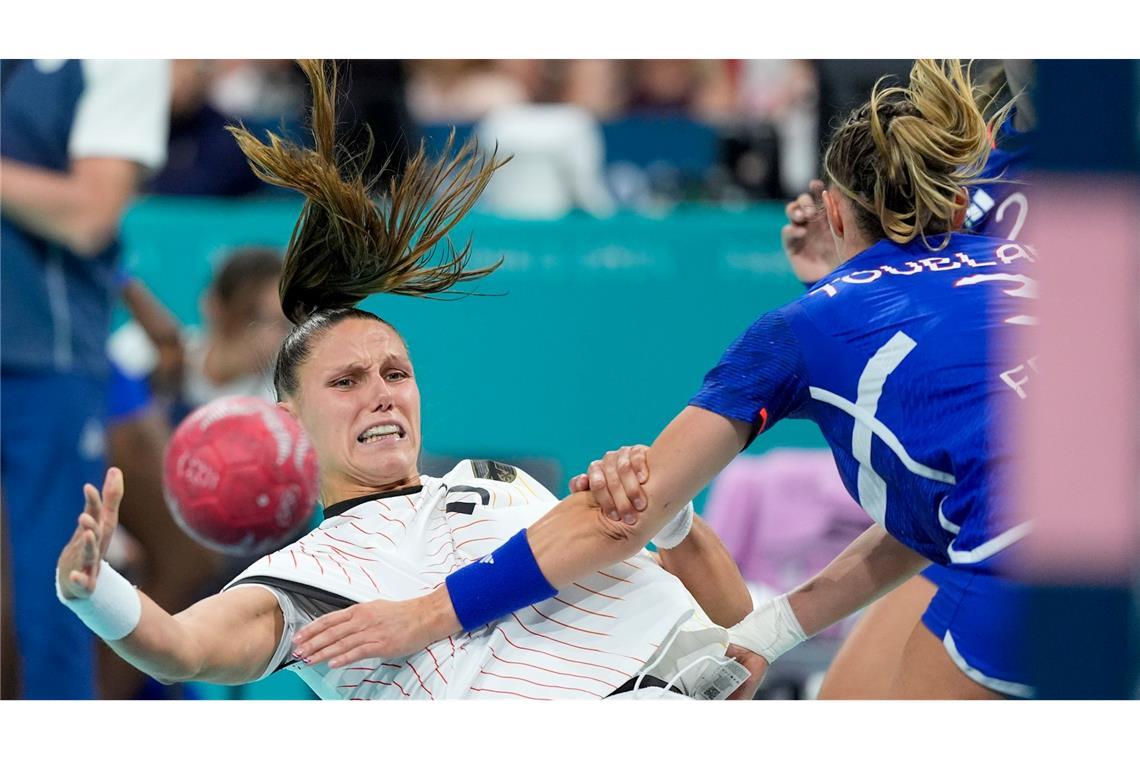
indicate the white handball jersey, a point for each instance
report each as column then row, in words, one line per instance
column 584, row 643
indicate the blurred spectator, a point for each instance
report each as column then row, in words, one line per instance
column 244, row 327
column 232, row 353
column 557, row 162
column 460, row 90
column 77, row 137
column 699, row 89
column 202, row 158
column 784, row 93
column 258, row 90
column 595, row 85
column 376, row 91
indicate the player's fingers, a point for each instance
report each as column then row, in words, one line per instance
column 579, row 483
column 80, row 579
column 601, row 493
column 815, row 189
column 112, row 493
column 630, row 483
column 616, row 488
column 363, row 651
column 639, row 457
column 320, row 625
column 89, row 558
column 336, row 648
column 92, row 504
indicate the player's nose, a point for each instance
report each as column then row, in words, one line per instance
column 382, row 396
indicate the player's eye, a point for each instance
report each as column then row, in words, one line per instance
column 395, row 375
column 343, row 382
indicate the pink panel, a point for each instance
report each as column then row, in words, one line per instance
column 1078, row 426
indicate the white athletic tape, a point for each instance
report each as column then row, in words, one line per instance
column 769, row 630
column 113, row 611
column 676, row 530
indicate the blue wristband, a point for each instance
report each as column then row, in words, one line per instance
column 506, row 580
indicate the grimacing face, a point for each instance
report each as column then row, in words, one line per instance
column 358, row 400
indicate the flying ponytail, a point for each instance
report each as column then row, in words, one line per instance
column 345, row 246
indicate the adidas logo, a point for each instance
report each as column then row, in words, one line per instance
column 488, row 559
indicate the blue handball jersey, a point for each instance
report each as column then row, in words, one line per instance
column 903, row 357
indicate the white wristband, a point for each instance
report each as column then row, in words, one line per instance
column 769, row 630
column 676, row 530
column 113, row 611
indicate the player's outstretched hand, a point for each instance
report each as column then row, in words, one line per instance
column 369, row 629
column 756, row 665
column 806, row 237
column 78, row 566
column 615, row 481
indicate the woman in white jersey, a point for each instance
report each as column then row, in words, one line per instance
column 390, row 533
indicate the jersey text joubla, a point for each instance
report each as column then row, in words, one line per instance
column 1004, row 255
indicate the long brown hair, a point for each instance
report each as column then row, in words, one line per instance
column 906, row 157
column 347, row 246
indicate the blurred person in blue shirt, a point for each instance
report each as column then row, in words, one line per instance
column 78, row 137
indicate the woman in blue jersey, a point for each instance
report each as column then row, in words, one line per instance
column 894, row 354
column 864, row 666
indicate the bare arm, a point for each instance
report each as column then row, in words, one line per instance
column 704, row 566
column 227, row 638
column 79, row 210
column 870, row 567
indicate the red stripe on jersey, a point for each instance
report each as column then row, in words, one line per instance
column 557, row 641
column 555, row 672
column 583, row 609
column 432, row 654
column 635, row 567
column 358, row 546
column 269, row 560
column 294, row 558
column 473, row 540
column 422, row 684
column 392, row 519
column 537, row 683
column 514, row 694
column 614, row 577
column 599, row 593
column 382, row 683
column 341, row 566
column 437, row 551
column 369, row 577
column 468, row 525
column 350, row 555
column 567, row 625
column 369, row 532
column 445, row 561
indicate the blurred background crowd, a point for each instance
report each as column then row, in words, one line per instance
column 594, row 135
